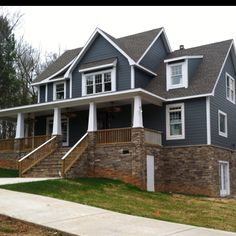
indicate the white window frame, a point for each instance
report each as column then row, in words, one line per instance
column 227, row 192
column 54, row 90
column 175, row 137
column 230, row 89
column 113, row 81
column 184, row 83
column 224, row 134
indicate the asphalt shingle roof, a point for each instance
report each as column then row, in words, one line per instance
column 205, row 76
column 133, row 45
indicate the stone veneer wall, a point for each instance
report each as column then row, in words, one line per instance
column 193, row 170
column 9, row 160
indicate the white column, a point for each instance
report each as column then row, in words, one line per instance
column 92, row 122
column 57, row 122
column 138, row 116
column 20, row 126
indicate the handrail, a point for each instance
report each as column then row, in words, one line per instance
column 38, row 154
column 36, row 149
column 74, row 154
column 152, row 137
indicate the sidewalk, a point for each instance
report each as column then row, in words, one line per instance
column 17, row 180
column 80, row 219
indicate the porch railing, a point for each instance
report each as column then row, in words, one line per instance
column 23, row 144
column 109, row 136
column 74, row 154
column 38, row 154
column 152, row 136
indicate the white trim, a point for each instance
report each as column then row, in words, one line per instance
column 223, row 194
column 98, row 67
column 188, row 97
column 91, row 38
column 208, row 120
column 77, row 143
column 184, row 79
column 150, row 45
column 36, row 149
column 70, row 87
column 182, row 58
column 46, row 92
column 132, row 76
column 145, row 69
column 175, row 137
column 213, row 91
column 38, row 90
column 167, row 40
column 231, row 77
column 224, row 134
column 113, row 81
column 54, row 90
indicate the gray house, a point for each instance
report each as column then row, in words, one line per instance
column 130, row 108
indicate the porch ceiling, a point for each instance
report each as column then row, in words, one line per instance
column 83, row 102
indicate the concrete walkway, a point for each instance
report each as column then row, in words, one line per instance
column 80, row 219
column 4, row 181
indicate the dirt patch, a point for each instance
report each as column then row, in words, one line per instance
column 13, row 227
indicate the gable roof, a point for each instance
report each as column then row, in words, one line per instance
column 205, row 76
column 59, row 66
column 134, row 46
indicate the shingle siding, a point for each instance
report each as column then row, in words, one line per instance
column 99, row 50
column 219, row 102
column 155, row 55
column 195, row 121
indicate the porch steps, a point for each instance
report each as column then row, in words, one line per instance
column 50, row 166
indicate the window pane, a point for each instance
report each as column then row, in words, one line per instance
column 227, row 92
column 89, row 89
column 175, row 117
column 176, row 79
column 176, row 129
column 176, row 74
column 98, row 88
column 222, row 123
column 107, row 77
column 60, row 91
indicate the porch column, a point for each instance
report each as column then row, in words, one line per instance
column 56, row 122
column 137, row 116
column 92, row 122
column 20, row 126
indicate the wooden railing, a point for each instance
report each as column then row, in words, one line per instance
column 109, row 136
column 152, row 136
column 38, row 154
column 23, row 144
column 74, row 154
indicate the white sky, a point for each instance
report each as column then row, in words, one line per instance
column 52, row 27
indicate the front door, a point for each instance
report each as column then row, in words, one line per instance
column 64, row 130
column 224, row 178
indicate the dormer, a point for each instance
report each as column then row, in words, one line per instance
column 179, row 70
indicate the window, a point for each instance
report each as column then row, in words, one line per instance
column 99, row 82
column 59, row 91
column 177, row 75
column 230, row 88
column 175, row 124
column 222, row 124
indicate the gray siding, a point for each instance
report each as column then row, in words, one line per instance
column 99, row 50
column 67, row 88
column 195, row 121
column 42, row 93
column 40, row 126
column 141, row 78
column 50, row 92
column 192, row 66
column 219, row 102
column 155, row 55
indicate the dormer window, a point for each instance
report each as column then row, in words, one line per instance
column 59, row 91
column 176, row 75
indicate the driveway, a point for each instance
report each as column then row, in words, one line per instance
column 81, row 219
column 16, row 180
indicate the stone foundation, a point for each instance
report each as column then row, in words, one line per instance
column 8, row 160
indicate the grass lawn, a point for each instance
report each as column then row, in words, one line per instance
column 8, row 173
column 120, row 197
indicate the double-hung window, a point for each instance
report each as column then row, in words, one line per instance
column 176, row 74
column 99, row 82
column 230, row 88
column 222, row 124
column 59, row 91
column 175, row 124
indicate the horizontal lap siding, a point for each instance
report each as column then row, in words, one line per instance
column 219, row 102
column 50, row 92
column 195, row 121
column 42, row 93
column 142, row 79
column 99, row 50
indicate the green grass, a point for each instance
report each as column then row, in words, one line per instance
column 125, row 198
column 8, row 173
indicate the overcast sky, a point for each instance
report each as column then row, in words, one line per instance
column 67, row 27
